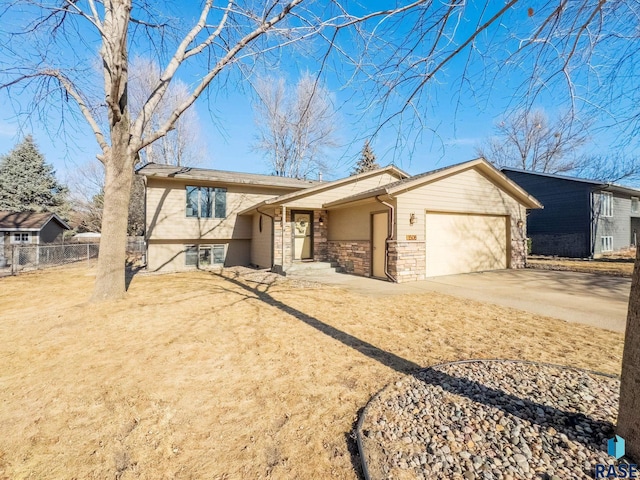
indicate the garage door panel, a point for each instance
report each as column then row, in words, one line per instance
column 457, row 243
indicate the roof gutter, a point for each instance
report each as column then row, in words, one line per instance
column 390, row 236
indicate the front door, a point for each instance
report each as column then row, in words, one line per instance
column 302, row 236
column 380, row 232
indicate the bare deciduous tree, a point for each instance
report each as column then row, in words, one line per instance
column 613, row 168
column 530, row 141
column 400, row 51
column 182, row 145
column 296, row 124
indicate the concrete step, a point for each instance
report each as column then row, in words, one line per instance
column 310, row 267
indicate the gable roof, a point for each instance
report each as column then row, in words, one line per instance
column 31, row 221
column 391, row 169
column 188, row 173
column 481, row 164
column 611, row 187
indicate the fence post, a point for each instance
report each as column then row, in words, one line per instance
column 13, row 260
column 88, row 256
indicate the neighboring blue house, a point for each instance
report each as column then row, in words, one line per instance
column 581, row 218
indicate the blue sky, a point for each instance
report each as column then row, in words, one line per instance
column 455, row 120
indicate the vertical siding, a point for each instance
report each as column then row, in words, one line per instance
column 51, row 233
column 563, row 227
column 262, row 241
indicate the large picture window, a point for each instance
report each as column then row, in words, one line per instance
column 206, row 202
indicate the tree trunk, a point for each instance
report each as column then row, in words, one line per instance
column 629, row 408
column 110, row 279
column 119, row 158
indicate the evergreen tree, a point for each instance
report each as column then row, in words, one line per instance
column 367, row 160
column 28, row 183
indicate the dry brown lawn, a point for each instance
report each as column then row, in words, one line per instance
column 618, row 267
column 198, row 376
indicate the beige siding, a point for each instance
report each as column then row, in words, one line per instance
column 262, row 241
column 317, row 200
column 166, row 214
column 466, row 192
column 169, row 255
column 353, row 223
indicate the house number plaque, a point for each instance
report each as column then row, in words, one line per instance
column 412, row 237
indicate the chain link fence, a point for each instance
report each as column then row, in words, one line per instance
column 18, row 258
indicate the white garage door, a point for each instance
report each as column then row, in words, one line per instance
column 457, row 243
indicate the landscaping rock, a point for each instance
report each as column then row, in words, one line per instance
column 491, row 419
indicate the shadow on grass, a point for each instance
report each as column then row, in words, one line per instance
column 546, row 416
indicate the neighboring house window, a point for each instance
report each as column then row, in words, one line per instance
column 607, row 244
column 204, row 255
column 634, row 205
column 20, row 238
column 606, row 206
column 206, row 202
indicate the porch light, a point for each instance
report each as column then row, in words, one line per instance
column 321, row 220
column 412, row 218
column 520, row 223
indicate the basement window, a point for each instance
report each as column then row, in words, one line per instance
column 202, row 256
column 607, row 244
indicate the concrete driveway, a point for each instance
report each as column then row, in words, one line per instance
column 591, row 299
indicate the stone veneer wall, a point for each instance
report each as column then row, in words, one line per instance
column 279, row 262
column 320, row 243
column 518, row 253
column 351, row 256
column 407, row 261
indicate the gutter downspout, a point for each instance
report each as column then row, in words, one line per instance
column 272, row 232
column 390, row 236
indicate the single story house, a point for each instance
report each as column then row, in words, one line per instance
column 383, row 223
column 24, row 228
column 581, row 218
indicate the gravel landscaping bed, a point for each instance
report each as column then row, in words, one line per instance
column 490, row 420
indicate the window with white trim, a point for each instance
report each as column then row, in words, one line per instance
column 635, row 205
column 204, row 255
column 606, row 204
column 20, row 237
column 607, row 244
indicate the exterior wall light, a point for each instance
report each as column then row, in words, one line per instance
column 520, row 224
column 321, row 220
column 412, row 218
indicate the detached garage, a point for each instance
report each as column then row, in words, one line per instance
column 465, row 218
